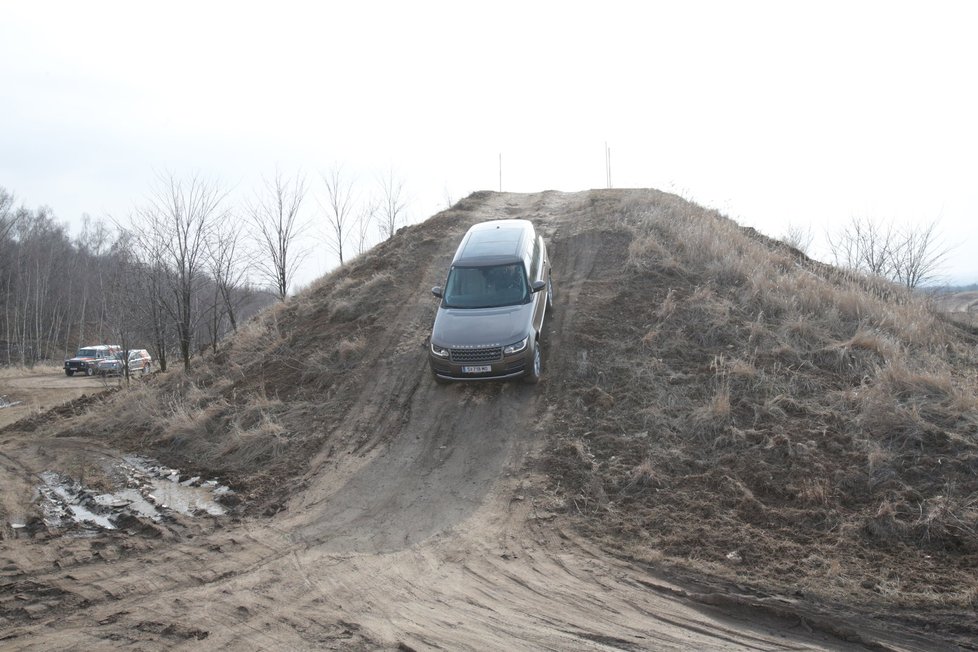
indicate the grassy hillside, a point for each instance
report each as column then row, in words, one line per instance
column 763, row 417
column 716, row 401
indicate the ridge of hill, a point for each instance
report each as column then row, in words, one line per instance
column 713, row 402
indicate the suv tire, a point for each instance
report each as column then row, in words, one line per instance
column 536, row 369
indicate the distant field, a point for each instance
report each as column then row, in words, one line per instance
column 962, row 307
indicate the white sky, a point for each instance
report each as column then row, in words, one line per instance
column 776, row 113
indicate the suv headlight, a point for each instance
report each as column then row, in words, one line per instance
column 439, row 351
column 517, row 347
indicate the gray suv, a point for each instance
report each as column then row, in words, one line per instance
column 490, row 320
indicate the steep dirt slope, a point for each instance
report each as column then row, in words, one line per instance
column 384, row 511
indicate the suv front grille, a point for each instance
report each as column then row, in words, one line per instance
column 477, row 355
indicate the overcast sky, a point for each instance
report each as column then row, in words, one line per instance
column 775, row 113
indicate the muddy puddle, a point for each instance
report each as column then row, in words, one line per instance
column 6, row 402
column 146, row 491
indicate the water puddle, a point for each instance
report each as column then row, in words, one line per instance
column 64, row 501
column 5, row 402
column 147, row 491
column 164, row 488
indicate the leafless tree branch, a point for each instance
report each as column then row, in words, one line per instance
column 339, row 210
column 275, row 214
column 390, row 213
column 909, row 256
column 174, row 227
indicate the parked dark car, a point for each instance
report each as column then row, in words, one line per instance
column 87, row 359
column 490, row 320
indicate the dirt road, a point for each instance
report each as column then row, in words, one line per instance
column 429, row 530
column 44, row 388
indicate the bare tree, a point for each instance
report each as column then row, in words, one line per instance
column 151, row 278
column 228, row 275
column 798, row 237
column 7, row 247
column 8, row 218
column 390, row 215
column 339, row 210
column 154, row 281
column 122, row 283
column 864, row 245
column 174, row 228
column 907, row 256
column 366, row 216
column 34, row 307
column 92, row 242
column 275, row 216
column 919, row 256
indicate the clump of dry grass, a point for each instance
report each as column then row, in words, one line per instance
column 643, row 476
column 948, row 517
column 715, row 414
column 253, row 439
column 647, row 252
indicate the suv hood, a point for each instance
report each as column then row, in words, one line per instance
column 478, row 327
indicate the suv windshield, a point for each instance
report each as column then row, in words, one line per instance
column 486, row 287
column 87, row 353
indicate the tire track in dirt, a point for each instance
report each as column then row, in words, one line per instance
column 445, row 445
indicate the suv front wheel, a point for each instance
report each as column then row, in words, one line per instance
column 536, row 369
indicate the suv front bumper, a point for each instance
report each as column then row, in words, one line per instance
column 508, row 366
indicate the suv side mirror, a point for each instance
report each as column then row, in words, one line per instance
column 437, row 291
column 536, row 286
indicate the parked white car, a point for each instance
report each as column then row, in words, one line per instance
column 140, row 362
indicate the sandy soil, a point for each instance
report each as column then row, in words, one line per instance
column 428, row 530
column 436, row 542
column 42, row 389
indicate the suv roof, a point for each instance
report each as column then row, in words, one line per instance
column 494, row 242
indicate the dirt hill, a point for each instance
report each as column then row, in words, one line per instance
column 722, row 421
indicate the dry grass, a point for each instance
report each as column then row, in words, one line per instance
column 36, row 370
column 793, row 408
column 715, row 392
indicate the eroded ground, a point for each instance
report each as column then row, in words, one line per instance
column 424, row 520
column 442, row 540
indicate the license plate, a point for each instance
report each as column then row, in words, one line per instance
column 476, row 370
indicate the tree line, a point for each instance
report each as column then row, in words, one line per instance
column 180, row 272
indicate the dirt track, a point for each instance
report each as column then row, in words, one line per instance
column 430, row 530
column 42, row 390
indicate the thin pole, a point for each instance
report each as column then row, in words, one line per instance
column 500, row 171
